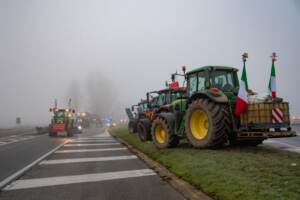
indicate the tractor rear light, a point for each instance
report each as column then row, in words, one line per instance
column 215, row 90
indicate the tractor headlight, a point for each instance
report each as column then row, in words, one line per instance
column 79, row 128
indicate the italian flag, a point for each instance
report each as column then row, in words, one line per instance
column 272, row 82
column 242, row 99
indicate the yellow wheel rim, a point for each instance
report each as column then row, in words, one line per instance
column 160, row 134
column 199, row 124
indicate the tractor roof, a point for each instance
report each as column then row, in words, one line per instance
column 181, row 89
column 142, row 102
column 212, row 67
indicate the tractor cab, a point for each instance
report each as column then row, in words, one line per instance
column 164, row 97
column 213, row 79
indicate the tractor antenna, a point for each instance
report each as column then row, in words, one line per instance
column 274, row 57
column 55, row 103
column 69, row 103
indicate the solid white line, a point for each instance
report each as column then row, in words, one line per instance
column 91, row 141
column 85, row 178
column 90, row 150
column 21, row 171
column 81, row 160
column 90, row 144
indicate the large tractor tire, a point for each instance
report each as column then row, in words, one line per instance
column 205, row 124
column 132, row 127
column 144, row 130
column 70, row 133
column 163, row 134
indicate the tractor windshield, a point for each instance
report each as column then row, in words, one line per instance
column 60, row 113
column 224, row 80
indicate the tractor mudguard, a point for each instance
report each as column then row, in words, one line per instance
column 217, row 96
column 169, row 117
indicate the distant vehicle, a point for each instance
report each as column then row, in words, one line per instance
column 62, row 122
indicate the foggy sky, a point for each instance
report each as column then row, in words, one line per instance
column 49, row 48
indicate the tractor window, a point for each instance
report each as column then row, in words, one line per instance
column 60, row 114
column 192, row 84
column 201, row 81
column 168, row 98
column 161, row 99
column 222, row 80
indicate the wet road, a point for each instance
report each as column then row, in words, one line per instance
column 289, row 144
column 92, row 165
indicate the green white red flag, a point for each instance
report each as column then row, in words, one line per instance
column 272, row 82
column 242, row 99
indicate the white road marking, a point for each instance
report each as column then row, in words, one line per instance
column 90, row 144
column 85, row 178
column 90, row 150
column 21, row 171
column 297, row 150
column 81, row 160
column 282, row 143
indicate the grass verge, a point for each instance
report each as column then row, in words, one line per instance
column 246, row 173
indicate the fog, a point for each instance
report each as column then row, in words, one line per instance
column 106, row 54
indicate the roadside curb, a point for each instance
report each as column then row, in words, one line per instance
column 22, row 171
column 183, row 187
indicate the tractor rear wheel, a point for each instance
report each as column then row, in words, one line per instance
column 163, row 135
column 144, row 129
column 70, row 134
column 205, row 124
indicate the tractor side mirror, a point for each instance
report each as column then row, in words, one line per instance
column 173, row 77
column 132, row 108
column 184, row 69
column 50, row 110
column 207, row 84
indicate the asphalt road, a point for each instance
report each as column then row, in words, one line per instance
column 93, row 165
column 289, row 144
column 18, row 151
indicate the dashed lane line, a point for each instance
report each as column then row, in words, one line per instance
column 82, row 160
column 91, row 150
column 85, row 178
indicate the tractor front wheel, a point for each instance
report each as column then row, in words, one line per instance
column 205, row 124
column 162, row 134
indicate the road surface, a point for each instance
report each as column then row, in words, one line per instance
column 288, row 144
column 92, row 165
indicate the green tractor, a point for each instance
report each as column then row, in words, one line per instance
column 137, row 112
column 62, row 122
column 206, row 116
column 158, row 102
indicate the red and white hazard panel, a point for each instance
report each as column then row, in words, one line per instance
column 277, row 115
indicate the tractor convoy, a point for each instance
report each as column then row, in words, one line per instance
column 211, row 110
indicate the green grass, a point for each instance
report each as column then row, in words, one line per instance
column 248, row 173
